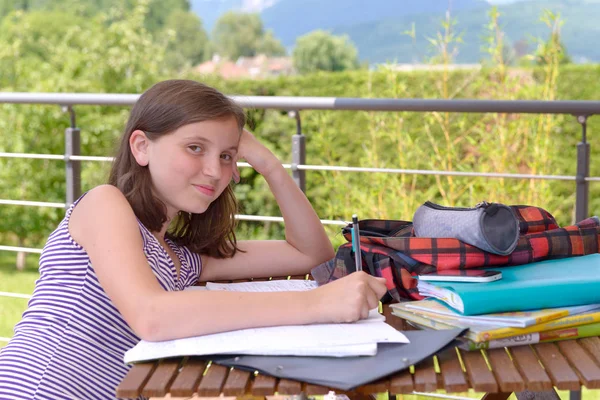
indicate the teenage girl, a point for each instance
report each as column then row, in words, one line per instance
column 115, row 269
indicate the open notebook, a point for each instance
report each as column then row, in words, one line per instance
column 333, row 340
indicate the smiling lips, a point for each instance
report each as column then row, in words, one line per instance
column 205, row 189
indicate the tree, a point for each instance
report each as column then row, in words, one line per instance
column 189, row 42
column 243, row 35
column 159, row 11
column 553, row 50
column 121, row 57
column 322, row 51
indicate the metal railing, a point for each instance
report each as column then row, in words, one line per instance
column 581, row 110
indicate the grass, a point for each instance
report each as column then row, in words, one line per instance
column 14, row 281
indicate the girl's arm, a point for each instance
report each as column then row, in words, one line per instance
column 105, row 225
column 306, row 243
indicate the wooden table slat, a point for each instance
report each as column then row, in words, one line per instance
column 212, row 381
column 189, row 376
column 131, row 386
column 237, row 382
column 592, row 345
column 532, row 372
column 508, row 377
column 482, row 379
column 401, row 383
column 582, row 363
column 311, row 389
column 537, row 368
column 281, row 278
column 453, row 377
column 303, row 277
column 264, row 385
column 288, row 386
column 160, row 381
column 563, row 377
column 425, row 378
column 378, row 386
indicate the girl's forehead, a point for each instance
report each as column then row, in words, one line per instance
column 213, row 130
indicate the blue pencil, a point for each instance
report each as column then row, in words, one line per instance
column 356, row 243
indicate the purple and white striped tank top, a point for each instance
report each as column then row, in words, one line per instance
column 71, row 340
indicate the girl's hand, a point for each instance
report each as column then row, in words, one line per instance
column 256, row 154
column 348, row 299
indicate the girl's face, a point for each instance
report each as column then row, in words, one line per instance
column 191, row 166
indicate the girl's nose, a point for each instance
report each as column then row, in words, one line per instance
column 212, row 167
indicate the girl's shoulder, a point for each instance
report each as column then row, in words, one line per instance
column 103, row 209
column 103, row 200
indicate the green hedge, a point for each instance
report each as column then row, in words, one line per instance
column 517, row 143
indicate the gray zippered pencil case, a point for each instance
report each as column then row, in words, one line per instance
column 492, row 227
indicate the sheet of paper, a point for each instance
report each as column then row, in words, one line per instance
column 334, row 340
column 337, row 340
column 278, row 285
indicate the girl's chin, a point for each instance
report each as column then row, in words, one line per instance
column 197, row 210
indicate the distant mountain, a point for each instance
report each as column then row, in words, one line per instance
column 292, row 18
column 385, row 40
column 377, row 27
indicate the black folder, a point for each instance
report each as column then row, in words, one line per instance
column 346, row 373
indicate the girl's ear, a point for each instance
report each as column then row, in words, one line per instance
column 138, row 142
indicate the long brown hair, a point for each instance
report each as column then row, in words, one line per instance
column 160, row 110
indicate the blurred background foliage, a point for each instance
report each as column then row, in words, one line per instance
column 113, row 46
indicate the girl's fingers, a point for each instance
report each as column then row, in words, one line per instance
column 236, row 172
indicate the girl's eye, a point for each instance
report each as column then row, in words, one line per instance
column 226, row 157
column 195, row 149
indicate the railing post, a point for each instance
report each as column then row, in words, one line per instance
column 73, row 168
column 583, row 171
column 298, row 153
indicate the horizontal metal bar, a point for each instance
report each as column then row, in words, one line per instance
column 16, row 295
column 432, row 172
column 55, row 157
column 21, row 249
column 91, row 158
column 77, row 158
column 36, row 156
column 576, row 107
column 343, row 169
column 280, row 219
column 32, row 203
column 4, row 339
column 70, row 99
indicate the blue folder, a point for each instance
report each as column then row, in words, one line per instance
column 561, row 282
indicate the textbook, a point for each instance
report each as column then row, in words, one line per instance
column 555, row 335
column 564, row 282
column 517, row 319
column 330, row 340
column 482, row 333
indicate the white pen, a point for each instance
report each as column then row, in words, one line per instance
column 356, row 243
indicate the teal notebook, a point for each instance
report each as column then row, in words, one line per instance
column 562, row 282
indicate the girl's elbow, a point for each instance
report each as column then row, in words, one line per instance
column 329, row 252
column 148, row 327
column 149, row 322
column 325, row 255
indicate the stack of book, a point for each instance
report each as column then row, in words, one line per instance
column 533, row 303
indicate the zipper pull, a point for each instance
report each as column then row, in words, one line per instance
column 482, row 204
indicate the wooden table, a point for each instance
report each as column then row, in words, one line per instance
column 565, row 365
